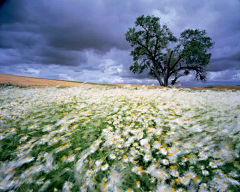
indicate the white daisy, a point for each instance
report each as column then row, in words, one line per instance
column 138, row 183
column 119, row 145
column 147, row 157
column 99, row 162
column 38, row 168
column 114, row 179
column 45, row 186
column 156, row 144
column 152, row 179
column 105, row 167
column 125, row 158
column 203, row 185
column 223, row 186
column 67, row 186
column 71, row 158
column 172, row 158
column 163, row 188
column 233, row 181
column 165, row 162
column 174, row 173
column 135, row 144
column 24, row 138
column 40, row 181
column 185, row 180
column 190, row 174
column 83, row 188
column 89, row 173
column 201, row 167
column 27, row 160
column 205, row 172
column 213, row 164
column 112, row 156
column 180, row 190
column 160, row 174
column 144, row 141
column 202, row 155
column 163, row 151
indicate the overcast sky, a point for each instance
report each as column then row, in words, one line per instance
column 84, row 40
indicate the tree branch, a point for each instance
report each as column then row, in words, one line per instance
column 147, row 38
column 196, row 68
column 150, row 54
column 160, row 66
column 169, row 59
column 175, row 64
column 171, row 70
column 158, row 77
column 168, row 65
column 143, row 61
column 189, row 67
column 176, row 77
column 174, row 81
column 155, row 48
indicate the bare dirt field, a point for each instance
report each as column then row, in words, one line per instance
column 40, row 82
column 29, row 81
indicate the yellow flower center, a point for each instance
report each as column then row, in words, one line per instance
column 63, row 157
column 138, row 183
column 177, row 180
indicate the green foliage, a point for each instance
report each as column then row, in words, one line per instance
column 209, row 87
column 3, row 85
column 150, row 41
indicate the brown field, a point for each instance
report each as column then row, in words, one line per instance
column 40, row 82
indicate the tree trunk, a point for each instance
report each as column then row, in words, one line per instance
column 174, row 81
column 160, row 82
column 158, row 76
column 166, row 76
column 166, row 81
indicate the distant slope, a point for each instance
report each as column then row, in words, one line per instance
column 32, row 81
column 41, row 82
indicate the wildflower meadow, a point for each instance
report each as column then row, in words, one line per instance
column 119, row 139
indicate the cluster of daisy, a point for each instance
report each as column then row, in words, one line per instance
column 119, row 139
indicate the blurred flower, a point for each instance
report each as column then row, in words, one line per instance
column 105, row 167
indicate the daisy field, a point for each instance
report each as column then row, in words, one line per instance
column 119, row 139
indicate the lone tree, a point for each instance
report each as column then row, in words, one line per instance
column 151, row 40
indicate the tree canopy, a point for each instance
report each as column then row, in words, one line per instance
column 151, row 41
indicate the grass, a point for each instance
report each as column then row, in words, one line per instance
column 209, row 87
column 4, row 85
column 112, row 85
column 103, row 139
column 62, row 86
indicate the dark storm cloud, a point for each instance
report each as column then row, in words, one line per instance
column 81, row 25
column 2, row 2
column 224, row 63
column 60, row 25
column 14, row 39
column 89, row 35
column 12, row 11
column 53, row 55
